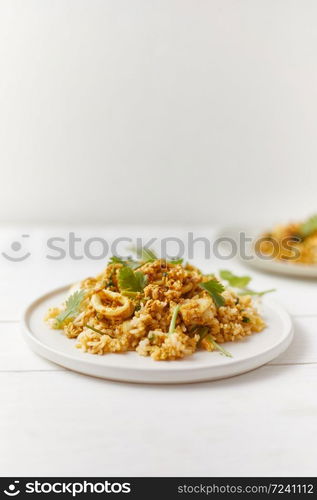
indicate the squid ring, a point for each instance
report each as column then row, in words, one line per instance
column 123, row 310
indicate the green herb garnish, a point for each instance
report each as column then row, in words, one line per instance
column 241, row 283
column 128, row 262
column 222, row 351
column 233, row 280
column 130, row 281
column 176, row 261
column 117, row 260
column 148, row 255
column 144, row 254
column 173, row 320
column 245, row 319
column 109, row 283
column 98, row 331
column 72, row 306
column 214, row 288
column 203, row 332
column 308, row 227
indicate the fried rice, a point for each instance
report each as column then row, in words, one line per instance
column 295, row 242
column 170, row 316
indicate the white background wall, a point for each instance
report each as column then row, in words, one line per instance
column 196, row 111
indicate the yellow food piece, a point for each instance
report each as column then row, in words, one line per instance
column 120, row 306
column 285, row 243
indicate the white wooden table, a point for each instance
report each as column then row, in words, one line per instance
column 55, row 422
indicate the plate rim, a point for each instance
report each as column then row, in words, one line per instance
column 270, row 266
column 276, row 266
column 50, row 353
column 273, row 266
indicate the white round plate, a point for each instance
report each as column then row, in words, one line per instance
column 287, row 268
column 249, row 257
column 248, row 354
column 278, row 266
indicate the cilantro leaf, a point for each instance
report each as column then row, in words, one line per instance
column 241, row 282
column 308, row 227
column 173, row 320
column 130, row 281
column 233, row 280
column 214, row 288
column 72, row 306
